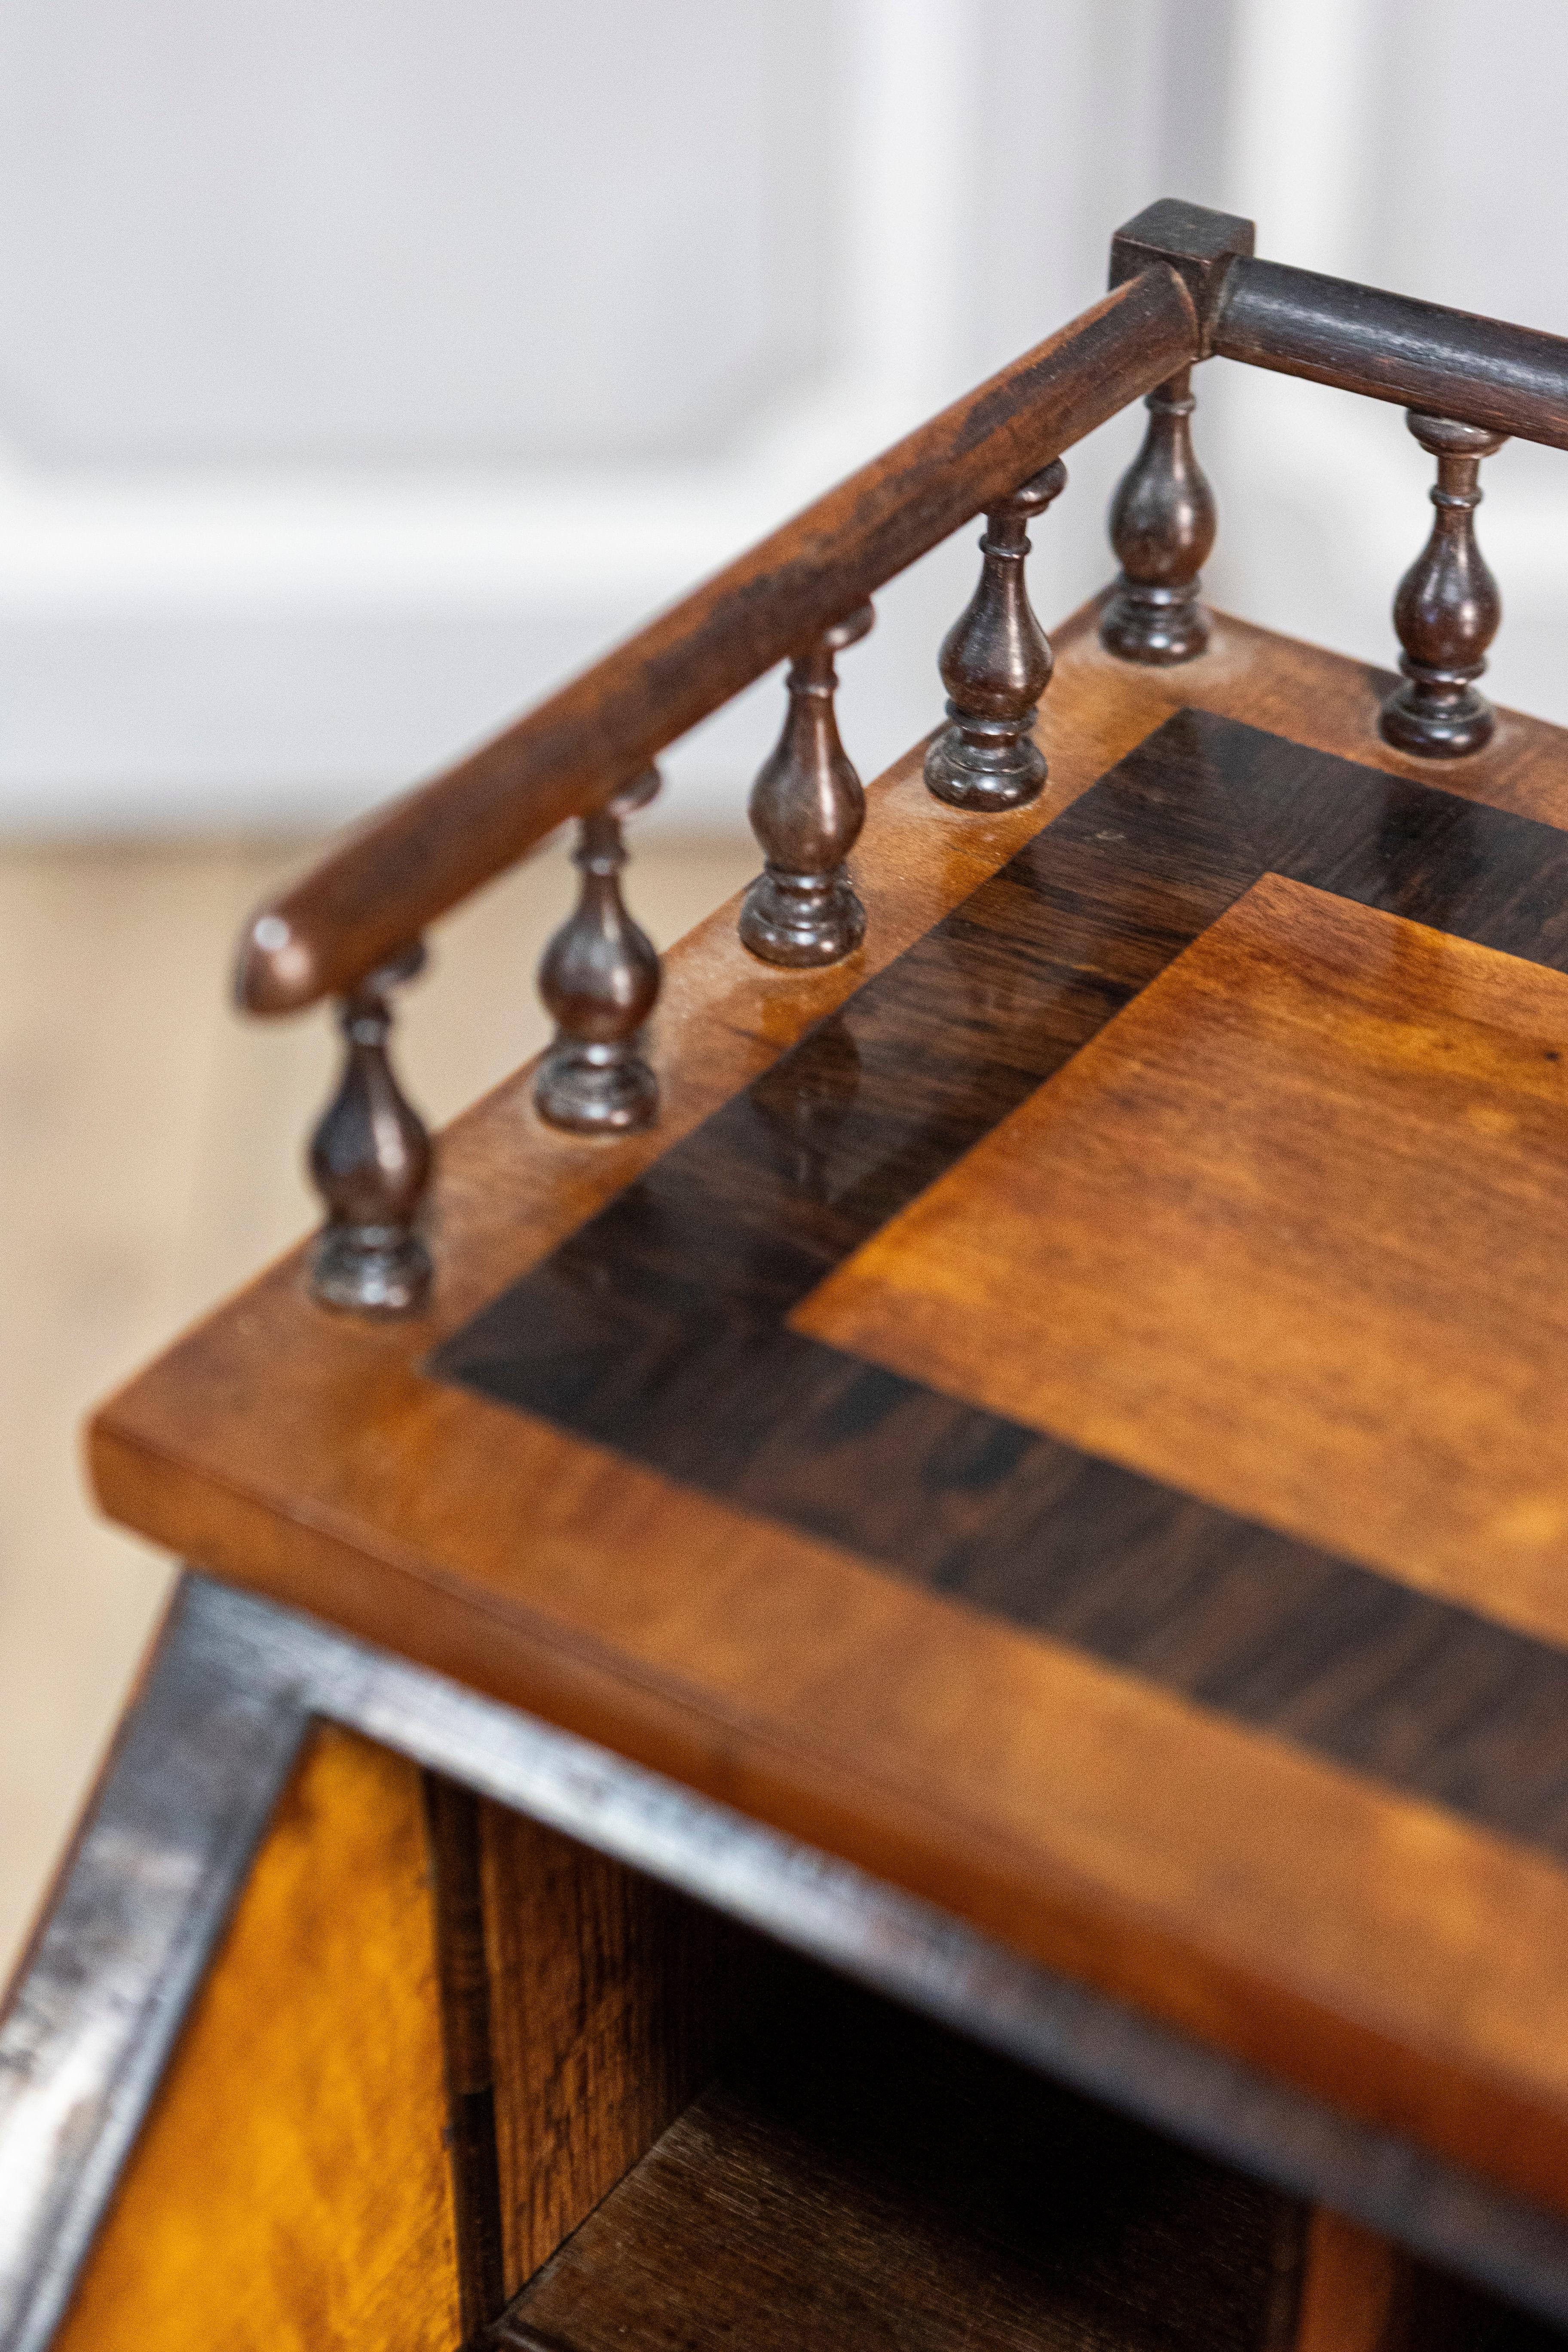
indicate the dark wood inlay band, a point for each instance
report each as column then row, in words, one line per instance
column 660, row 1329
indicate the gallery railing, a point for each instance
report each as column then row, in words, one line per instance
column 1184, row 287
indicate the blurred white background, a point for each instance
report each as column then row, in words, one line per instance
column 366, row 365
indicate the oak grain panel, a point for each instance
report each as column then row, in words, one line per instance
column 291, row 2186
column 612, row 2000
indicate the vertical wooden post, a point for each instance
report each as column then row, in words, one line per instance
column 806, row 810
column 996, row 665
column 599, row 979
column 1162, row 529
column 371, row 1159
column 1448, row 608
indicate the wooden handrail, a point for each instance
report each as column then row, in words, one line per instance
column 404, row 866
column 1442, row 362
column 1185, row 286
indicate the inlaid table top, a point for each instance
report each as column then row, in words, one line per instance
column 1070, row 1409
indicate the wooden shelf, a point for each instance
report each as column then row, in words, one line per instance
column 864, row 2178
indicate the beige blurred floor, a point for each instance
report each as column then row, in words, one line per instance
column 150, row 1149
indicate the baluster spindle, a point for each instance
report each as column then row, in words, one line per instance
column 995, row 664
column 371, row 1159
column 599, row 979
column 1162, row 529
column 1448, row 608
column 807, row 809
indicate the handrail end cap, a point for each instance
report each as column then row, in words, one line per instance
column 276, row 969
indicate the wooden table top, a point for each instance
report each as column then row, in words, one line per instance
column 1068, row 1411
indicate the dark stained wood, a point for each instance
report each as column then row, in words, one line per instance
column 996, row 665
column 865, row 2180
column 1202, row 246
column 392, row 877
column 615, row 2000
column 878, row 1410
column 1162, row 528
column 1448, row 608
column 1185, row 283
column 1115, row 1829
column 807, row 809
column 599, row 980
column 370, row 1162
column 1482, row 372
column 456, row 1879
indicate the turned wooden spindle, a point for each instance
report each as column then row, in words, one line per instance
column 996, row 665
column 1162, row 529
column 807, row 809
column 1448, row 608
column 371, row 1159
column 599, row 979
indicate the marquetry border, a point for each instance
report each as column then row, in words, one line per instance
column 661, row 1328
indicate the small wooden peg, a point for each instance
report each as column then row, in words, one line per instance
column 371, row 1159
column 1162, row 529
column 1448, row 608
column 599, row 979
column 996, row 665
column 806, row 810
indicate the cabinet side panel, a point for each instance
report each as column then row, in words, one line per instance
column 612, row 2000
column 291, row 2187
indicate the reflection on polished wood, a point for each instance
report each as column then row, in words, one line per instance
column 1091, row 1770
column 1324, row 1147
column 251, row 2215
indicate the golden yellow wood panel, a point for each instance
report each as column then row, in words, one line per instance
column 289, row 2190
column 1291, row 1235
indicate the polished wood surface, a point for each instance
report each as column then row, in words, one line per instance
column 1163, row 524
column 1447, row 607
column 405, row 866
column 859, row 2178
column 251, row 2214
column 1323, row 1148
column 599, row 980
column 612, row 2001
column 995, row 664
column 806, row 807
column 1090, row 1794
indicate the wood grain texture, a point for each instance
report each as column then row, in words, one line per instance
column 454, row 1831
column 1355, row 2290
column 1325, row 1147
column 613, row 2000
column 861, row 2179
column 1388, row 1955
column 291, row 2187
column 1504, row 378
column 408, row 864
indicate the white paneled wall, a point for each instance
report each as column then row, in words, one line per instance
column 365, row 364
